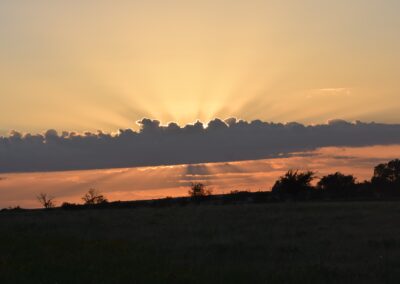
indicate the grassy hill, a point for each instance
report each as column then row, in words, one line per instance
column 331, row 242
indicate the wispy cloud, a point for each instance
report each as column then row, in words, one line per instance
column 329, row 92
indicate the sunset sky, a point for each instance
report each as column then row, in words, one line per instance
column 92, row 65
column 88, row 65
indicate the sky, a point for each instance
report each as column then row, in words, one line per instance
column 21, row 189
column 139, row 98
column 89, row 65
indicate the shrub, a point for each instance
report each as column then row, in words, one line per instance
column 338, row 185
column 293, row 184
column 46, row 201
column 67, row 205
column 199, row 190
column 93, row 197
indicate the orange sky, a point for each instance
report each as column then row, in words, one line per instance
column 159, row 182
column 103, row 65
column 88, row 65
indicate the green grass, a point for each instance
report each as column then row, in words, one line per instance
column 255, row 243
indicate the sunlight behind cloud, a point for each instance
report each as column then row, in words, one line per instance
column 105, row 65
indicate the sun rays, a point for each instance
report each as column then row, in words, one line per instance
column 105, row 70
column 162, row 181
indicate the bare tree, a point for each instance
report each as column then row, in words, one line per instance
column 93, row 197
column 46, row 201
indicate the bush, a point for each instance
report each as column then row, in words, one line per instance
column 94, row 197
column 12, row 208
column 239, row 195
column 338, row 185
column 294, row 185
column 69, row 206
column 199, row 190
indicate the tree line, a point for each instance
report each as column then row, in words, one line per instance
column 293, row 185
column 92, row 197
column 300, row 185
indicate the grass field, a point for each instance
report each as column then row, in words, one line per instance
column 356, row 242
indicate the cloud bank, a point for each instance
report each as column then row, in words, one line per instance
column 154, row 144
column 158, row 182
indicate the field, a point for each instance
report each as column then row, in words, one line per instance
column 328, row 242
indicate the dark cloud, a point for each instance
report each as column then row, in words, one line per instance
column 197, row 170
column 154, row 144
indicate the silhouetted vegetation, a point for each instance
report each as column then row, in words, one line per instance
column 303, row 242
column 199, row 190
column 386, row 178
column 338, row 185
column 12, row 208
column 239, row 195
column 294, row 184
column 255, row 237
column 93, row 197
column 67, row 205
column 46, row 201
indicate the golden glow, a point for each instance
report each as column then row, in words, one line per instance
column 103, row 65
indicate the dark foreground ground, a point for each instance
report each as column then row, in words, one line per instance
column 250, row 243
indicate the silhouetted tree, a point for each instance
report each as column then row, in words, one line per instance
column 387, row 173
column 337, row 185
column 94, row 197
column 365, row 189
column 293, row 184
column 46, row 201
column 199, row 189
column 386, row 178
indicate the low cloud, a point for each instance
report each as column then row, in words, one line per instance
column 159, row 182
column 154, row 144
